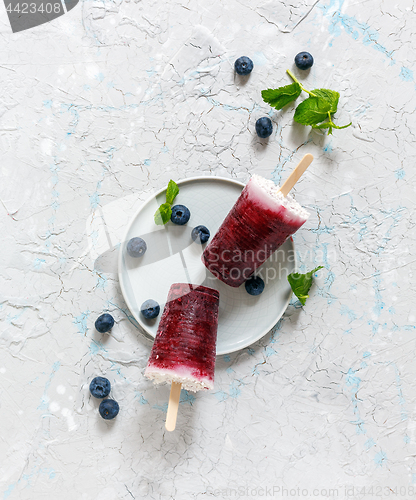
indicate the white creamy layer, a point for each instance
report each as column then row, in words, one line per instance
column 266, row 193
column 189, row 383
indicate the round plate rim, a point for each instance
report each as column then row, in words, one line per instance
column 120, row 256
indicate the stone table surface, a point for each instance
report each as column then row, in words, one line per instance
column 101, row 107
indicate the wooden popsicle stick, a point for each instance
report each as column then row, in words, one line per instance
column 296, row 174
column 175, row 394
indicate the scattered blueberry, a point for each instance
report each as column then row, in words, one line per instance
column 180, row 215
column 150, row 309
column 100, row 387
column 304, row 60
column 109, row 409
column 200, row 234
column 243, row 65
column 136, row 247
column 264, row 127
column 254, row 285
column 104, row 323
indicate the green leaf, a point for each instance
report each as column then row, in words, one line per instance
column 301, row 283
column 312, row 110
column 162, row 214
column 278, row 98
column 331, row 96
column 315, row 109
column 171, row 192
column 328, row 125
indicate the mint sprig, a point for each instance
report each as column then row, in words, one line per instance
column 164, row 212
column 301, row 283
column 313, row 111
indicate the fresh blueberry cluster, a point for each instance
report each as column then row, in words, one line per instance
column 100, row 388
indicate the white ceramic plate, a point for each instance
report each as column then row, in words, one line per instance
column 173, row 257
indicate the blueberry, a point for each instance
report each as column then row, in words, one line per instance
column 254, row 285
column 150, row 309
column 200, row 234
column 264, row 127
column 104, row 323
column 136, row 247
column 243, row 65
column 180, row 215
column 109, row 409
column 100, row 387
column 304, row 60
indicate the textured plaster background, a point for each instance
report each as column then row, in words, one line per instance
column 106, row 104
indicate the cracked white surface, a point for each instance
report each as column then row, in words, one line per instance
column 109, row 102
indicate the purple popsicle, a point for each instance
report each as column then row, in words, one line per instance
column 185, row 344
column 258, row 224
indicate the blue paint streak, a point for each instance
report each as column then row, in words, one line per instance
column 399, row 173
column 379, row 304
column 187, row 397
column 380, row 458
column 221, row 395
column 406, row 74
column 37, row 264
column 143, row 400
column 369, row 443
column 356, row 29
column 346, row 311
column 354, row 382
column 81, row 322
column 163, row 407
column 44, row 400
column 9, row 490
column 96, row 347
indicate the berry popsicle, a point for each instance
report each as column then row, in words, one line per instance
column 184, row 349
column 185, row 342
column 261, row 220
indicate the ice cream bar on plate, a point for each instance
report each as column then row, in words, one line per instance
column 258, row 224
column 185, row 344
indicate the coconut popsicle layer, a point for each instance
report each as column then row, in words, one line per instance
column 258, row 224
column 185, row 344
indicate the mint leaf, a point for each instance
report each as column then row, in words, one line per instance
column 331, row 96
column 278, row 98
column 318, row 107
column 330, row 125
column 301, row 283
column 312, row 110
column 171, row 192
column 162, row 214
